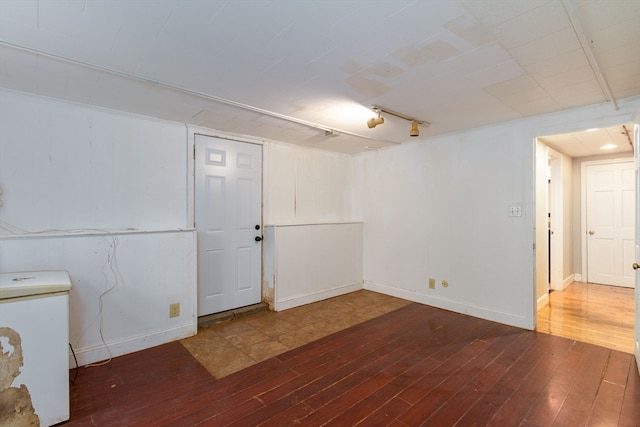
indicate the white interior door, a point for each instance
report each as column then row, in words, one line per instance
column 556, row 222
column 610, row 199
column 228, row 216
column 636, row 133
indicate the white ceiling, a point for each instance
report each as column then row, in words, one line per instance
column 590, row 142
column 247, row 66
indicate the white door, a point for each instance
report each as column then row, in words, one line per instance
column 636, row 265
column 228, row 216
column 556, row 222
column 610, row 223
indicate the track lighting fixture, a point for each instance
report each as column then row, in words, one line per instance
column 375, row 121
column 414, row 129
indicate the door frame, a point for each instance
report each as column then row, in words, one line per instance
column 192, row 132
column 583, row 207
column 570, row 125
column 556, row 208
column 636, row 160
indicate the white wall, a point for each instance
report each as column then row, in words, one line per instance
column 439, row 208
column 312, row 249
column 141, row 273
column 78, row 181
column 312, row 262
column 306, row 186
column 66, row 166
column 568, row 226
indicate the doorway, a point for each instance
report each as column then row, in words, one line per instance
column 228, row 220
column 574, row 264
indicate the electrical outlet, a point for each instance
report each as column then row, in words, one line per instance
column 432, row 283
column 174, row 310
column 445, row 284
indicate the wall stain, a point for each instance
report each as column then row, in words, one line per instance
column 16, row 408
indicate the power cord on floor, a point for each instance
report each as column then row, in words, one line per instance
column 75, row 376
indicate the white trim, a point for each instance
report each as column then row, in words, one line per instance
column 313, row 223
column 316, row 296
column 568, row 280
column 97, row 353
column 577, row 277
column 447, row 304
column 542, row 301
column 89, row 232
column 636, row 164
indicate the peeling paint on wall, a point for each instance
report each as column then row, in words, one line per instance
column 16, row 408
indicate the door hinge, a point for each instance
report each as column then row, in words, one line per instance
column 194, row 153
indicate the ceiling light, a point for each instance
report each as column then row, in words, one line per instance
column 375, row 121
column 414, row 129
column 592, row 130
column 608, row 147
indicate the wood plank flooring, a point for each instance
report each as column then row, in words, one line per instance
column 588, row 312
column 417, row 365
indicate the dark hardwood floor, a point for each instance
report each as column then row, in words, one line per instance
column 417, row 365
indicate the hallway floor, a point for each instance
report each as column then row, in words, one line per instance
column 227, row 347
column 592, row 313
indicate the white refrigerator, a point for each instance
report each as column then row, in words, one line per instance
column 34, row 358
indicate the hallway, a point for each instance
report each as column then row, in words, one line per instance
column 591, row 313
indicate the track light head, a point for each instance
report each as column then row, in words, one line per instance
column 415, row 123
column 375, row 121
column 414, row 129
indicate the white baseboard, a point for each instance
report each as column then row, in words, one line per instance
column 542, row 301
column 316, row 296
column 97, row 353
column 446, row 304
column 577, row 277
column 567, row 281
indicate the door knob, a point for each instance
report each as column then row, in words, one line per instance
column 636, row 266
column 258, row 238
column 592, row 232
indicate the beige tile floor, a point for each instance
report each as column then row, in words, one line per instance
column 227, row 347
